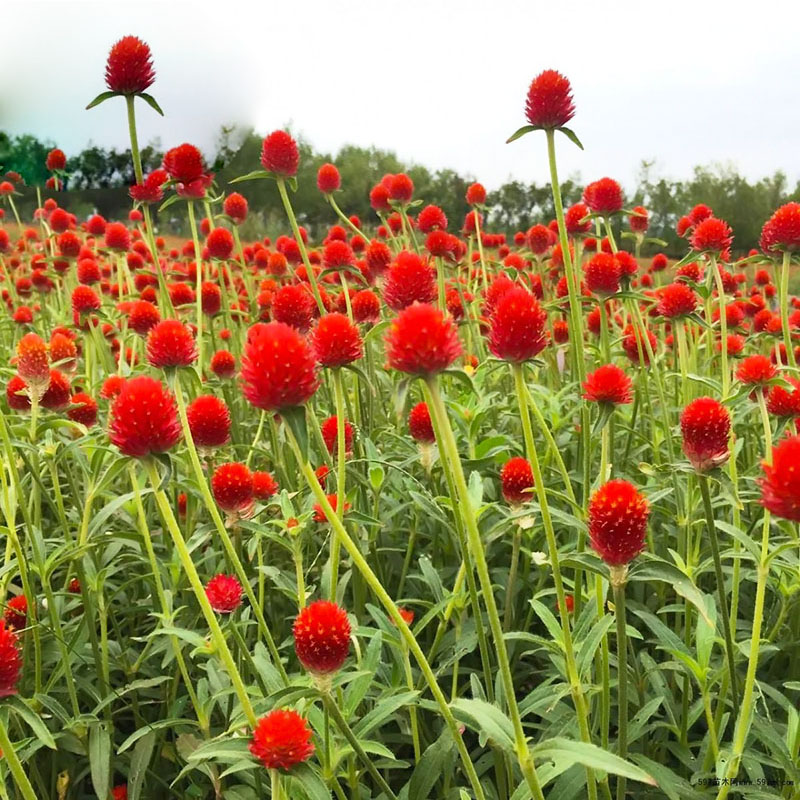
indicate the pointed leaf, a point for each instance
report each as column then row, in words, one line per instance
column 571, row 135
column 295, row 418
column 256, row 174
column 101, row 98
column 520, row 132
column 151, row 101
column 487, row 719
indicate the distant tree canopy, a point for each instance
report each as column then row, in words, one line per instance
column 514, row 206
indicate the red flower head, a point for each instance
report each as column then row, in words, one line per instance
column 782, row 230
column 336, row 341
column 560, row 331
column 603, row 196
column 517, row 326
column 17, row 394
column 129, row 69
column 706, row 428
column 419, row 424
column 117, row 237
column 607, row 384
column 235, row 206
column 112, row 386
column 56, row 160
column 279, row 154
column 322, row 637
column 516, row 479
column 538, row 238
column 143, row 418
column 232, row 485
column 69, row 245
column 120, row 792
column 401, row 188
column 220, row 243
column 282, row 739
column 366, row 306
column 170, row 344
column 780, row 486
column 209, row 421
column 711, row 234
column 278, row 367
column 338, row 254
column 378, row 257
column 603, row 273
column 57, row 395
column 33, row 363
column 677, row 300
column 84, row 299
column 223, row 364
column 264, row 485
column 330, row 432
column 293, row 305
column 16, row 612
column 574, row 219
column 639, row 220
column 618, row 522
column 83, row 409
column 783, row 402
column 422, row 340
column 630, row 344
column 328, row 179
column 184, row 164
column 431, row 218
column 224, row 593
column 150, row 191
column 476, row 194
column 379, row 198
column 409, row 280
column 756, row 370
column 10, row 661
column 549, row 103
column 143, row 316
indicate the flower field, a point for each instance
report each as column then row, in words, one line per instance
column 409, row 509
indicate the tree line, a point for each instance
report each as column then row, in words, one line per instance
column 98, row 179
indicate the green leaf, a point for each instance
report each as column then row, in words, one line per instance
column 100, row 758
column 34, row 721
column 475, row 489
column 590, row 644
column 571, row 135
column 589, row 755
column 462, row 378
column 140, row 760
column 151, row 101
column 605, row 410
column 101, row 98
column 520, row 132
column 487, row 720
column 171, row 200
column 256, row 174
column 438, row 759
column 383, row 709
column 295, row 418
column 657, row 569
column 305, row 782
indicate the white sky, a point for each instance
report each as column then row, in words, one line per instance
column 440, row 82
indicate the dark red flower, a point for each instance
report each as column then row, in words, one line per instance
column 476, row 194
column 336, row 341
column 422, row 340
column 56, row 160
column 143, row 316
column 516, row 480
column 278, row 367
column 16, row 612
column 83, row 409
column 224, row 593
column 575, row 219
column 279, row 154
column 549, row 102
column 120, row 792
column 409, row 280
column 235, row 206
column 209, row 421
column 10, row 660
column 539, row 239
column 57, row 394
column 602, row 274
column 129, row 69
column 223, row 364
column 232, row 485
column 431, row 218
column 184, row 163
column 706, row 427
column 676, row 300
column 401, row 188
column 366, row 306
column 220, row 243
column 328, row 179
column 419, row 424
column 607, row 384
column 170, row 343
column 517, row 326
column 293, row 305
column 282, row 739
column 322, row 637
column 210, row 298
column 639, row 220
column 630, row 344
column 84, row 299
column 330, row 433
column 782, row 230
column 144, row 419
column 117, row 237
column 780, row 486
column 756, row 370
column 618, row 522
column 264, row 485
column 603, row 196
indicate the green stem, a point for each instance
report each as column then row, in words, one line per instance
column 784, row 303
column 15, row 765
column 198, row 303
column 338, row 391
column 622, row 677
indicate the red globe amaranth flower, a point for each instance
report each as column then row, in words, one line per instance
column 560, row 331
column 282, row 739
column 83, row 409
column 576, row 219
column 631, row 342
column 220, row 243
column 235, row 206
column 366, row 306
column 328, row 179
column 333, row 500
column 476, row 194
column 16, row 612
column 322, row 637
column 780, row 486
column 170, row 344
column 278, row 367
column 33, row 362
column 756, row 370
column 117, row 237
column 607, row 384
column 401, row 188
column 232, row 485
column 538, row 239
column 706, row 428
column 419, row 424
column 10, row 660
column 603, row 196
column 409, row 280
column 294, row 305
column 784, row 402
column 151, row 190
column 782, row 230
column 209, row 421
column 224, row 593
column 422, row 340
column 120, row 792
column 431, row 218
column 676, row 300
column 517, row 326
column 264, row 485
column 129, row 69
column 639, row 220
column 336, row 341
column 57, row 394
column 143, row 316
column 84, row 300
column 618, row 522
column 603, row 273
column 330, row 433
column 184, row 164
column 659, row 262
column 144, row 419
column 516, row 480
column 279, row 154
column 112, row 387
column 56, row 160
column 711, row 234
column 549, row 102
column 223, row 364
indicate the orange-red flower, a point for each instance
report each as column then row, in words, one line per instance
column 322, row 637
column 618, row 522
column 282, row 739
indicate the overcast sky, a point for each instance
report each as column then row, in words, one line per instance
column 440, row 82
